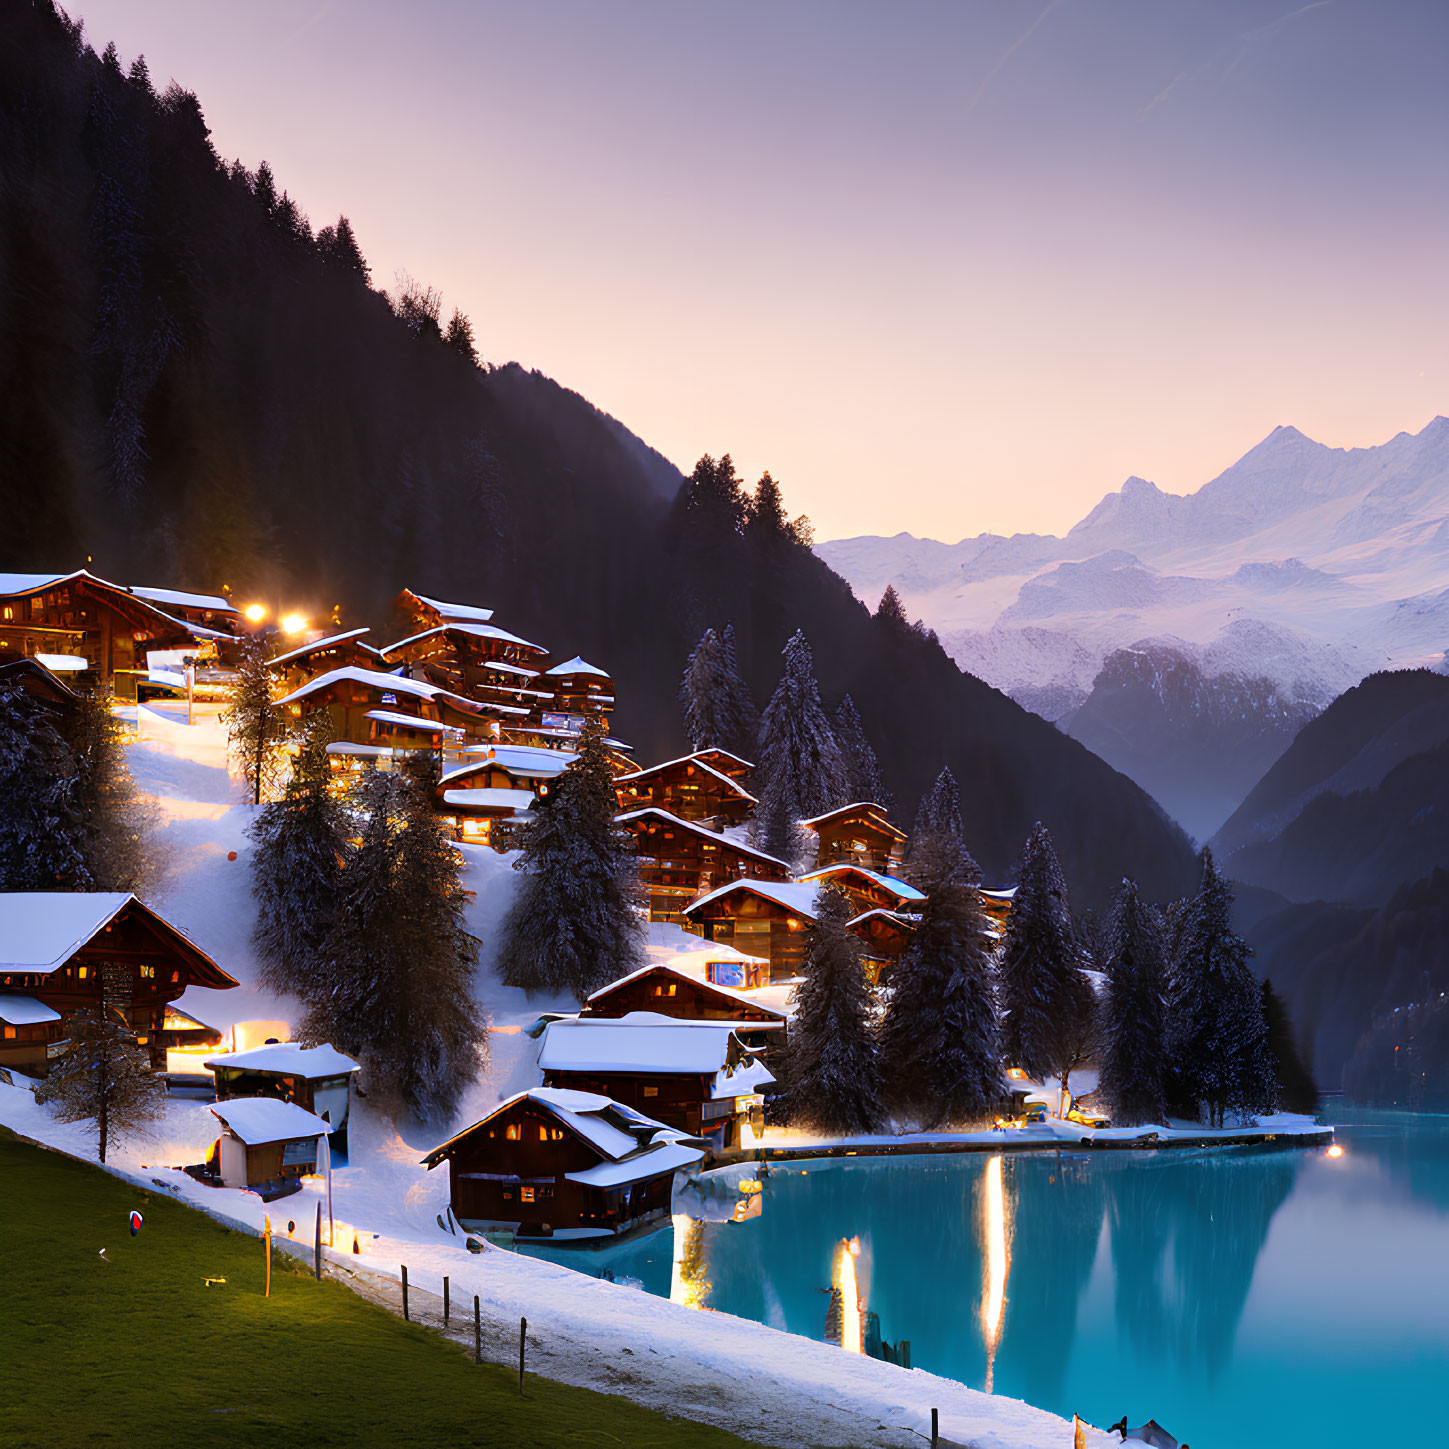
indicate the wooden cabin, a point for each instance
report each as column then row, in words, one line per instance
column 336, row 651
column 858, row 834
column 672, row 992
column 266, row 1145
column 99, row 631
column 724, row 966
column 869, row 889
column 318, row 1078
column 477, row 661
column 679, row 861
column 497, row 783
column 885, row 937
column 759, row 917
column 694, row 1075
column 553, row 1163
column 54, row 949
column 579, row 691
column 689, row 789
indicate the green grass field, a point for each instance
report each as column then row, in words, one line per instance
column 137, row 1352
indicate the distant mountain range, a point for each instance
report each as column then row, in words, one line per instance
column 1187, row 639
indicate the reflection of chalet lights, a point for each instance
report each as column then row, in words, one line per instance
column 1336, row 1150
column 995, row 1261
column 851, row 1336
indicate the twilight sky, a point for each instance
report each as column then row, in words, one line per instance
column 940, row 267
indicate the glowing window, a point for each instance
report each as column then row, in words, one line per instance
column 514, row 1133
column 526, row 1194
column 9, row 1033
column 83, row 972
column 651, row 1091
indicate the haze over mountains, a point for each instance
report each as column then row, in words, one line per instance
column 1188, row 639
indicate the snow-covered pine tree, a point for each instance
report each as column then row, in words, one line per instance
column 575, row 924
column 832, row 1077
column 800, row 771
column 863, row 779
column 1216, row 1033
column 103, row 1076
column 120, row 824
column 301, row 848
column 42, row 830
column 938, row 839
column 940, row 1052
column 1134, row 1049
column 718, row 709
column 1041, row 983
column 257, row 728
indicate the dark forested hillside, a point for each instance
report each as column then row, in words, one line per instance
column 197, row 388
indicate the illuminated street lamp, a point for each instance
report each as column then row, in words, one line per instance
column 254, row 613
column 293, row 623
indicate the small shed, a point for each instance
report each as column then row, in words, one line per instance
column 266, row 1145
column 554, row 1163
column 858, row 834
column 318, row 1078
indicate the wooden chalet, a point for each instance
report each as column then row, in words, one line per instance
column 99, row 631
column 54, row 949
column 760, row 918
column 724, row 966
column 697, row 1076
column 688, row 788
column 497, row 782
column 336, row 651
column 477, row 661
column 579, row 691
column 869, row 889
column 558, row 1163
column 885, row 937
column 680, row 860
column 266, row 1145
column 318, row 1078
column 672, row 992
column 724, row 762
column 858, row 834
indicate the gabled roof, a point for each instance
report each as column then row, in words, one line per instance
column 469, row 613
column 529, row 761
column 41, row 930
column 14, row 585
column 319, row 644
column 794, row 896
column 868, row 810
column 39, row 681
column 703, row 832
column 644, row 774
column 725, row 758
column 474, row 631
column 906, row 923
column 408, row 721
column 643, row 1041
column 494, row 799
column 178, row 597
column 268, row 1119
column 289, row 1058
column 738, row 998
column 391, row 684
column 893, row 884
column 577, row 666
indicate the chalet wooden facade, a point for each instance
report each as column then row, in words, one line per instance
column 347, row 650
column 726, row 763
column 858, row 834
column 317, row 1078
column 680, row 860
column 266, row 1145
column 697, row 1076
column 885, row 937
column 688, row 788
column 763, row 918
column 580, row 691
column 478, row 661
column 669, row 991
column 55, row 949
column 101, row 631
column 869, row 889
column 552, row 1163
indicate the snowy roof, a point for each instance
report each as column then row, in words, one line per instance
column 797, row 897
column 876, row 814
column 576, row 666
column 504, row 666
column 467, row 612
column 17, row 1010
column 186, row 600
column 744, row 764
column 751, row 1075
column 698, row 764
column 12, row 584
column 290, row 1058
column 909, row 922
column 642, row 1041
column 670, row 970
column 897, row 887
column 407, row 721
column 533, row 761
column 268, row 1119
column 317, row 644
column 653, row 1161
column 713, row 951
column 476, row 631
column 372, row 678
column 33, row 583
column 1006, row 894
column 488, row 799
column 702, row 831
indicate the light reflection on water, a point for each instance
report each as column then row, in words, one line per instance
column 1251, row 1297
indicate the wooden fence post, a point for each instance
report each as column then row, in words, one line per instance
column 445, row 1301
column 477, row 1332
column 935, row 1428
column 405, row 1293
column 522, row 1340
column 317, row 1243
column 267, row 1234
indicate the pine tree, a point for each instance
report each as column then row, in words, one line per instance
column 43, row 835
column 103, row 1076
column 1042, row 986
column 257, row 728
column 574, row 924
column 264, row 188
column 862, row 769
column 338, row 248
column 1297, row 1091
column 890, row 609
column 1217, row 1036
column 718, row 710
column 940, row 1052
column 298, row 866
column 459, row 337
column 938, row 835
column 801, row 772
column 1134, row 1047
column 769, row 521
column 832, row 1074
column 141, row 76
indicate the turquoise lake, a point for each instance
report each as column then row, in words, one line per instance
column 1249, row 1297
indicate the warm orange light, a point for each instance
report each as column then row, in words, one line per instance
column 1335, row 1151
column 293, row 623
column 255, row 613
